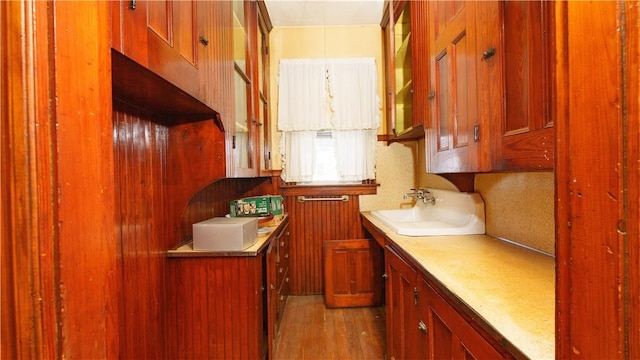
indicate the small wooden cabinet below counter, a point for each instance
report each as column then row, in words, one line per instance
column 218, row 300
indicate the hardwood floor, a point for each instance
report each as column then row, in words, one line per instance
column 311, row 331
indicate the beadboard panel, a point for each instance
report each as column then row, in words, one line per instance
column 166, row 178
column 141, row 229
column 313, row 222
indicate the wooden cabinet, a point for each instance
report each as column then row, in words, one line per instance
column 216, row 56
column 161, row 36
column 450, row 336
column 277, row 284
column 422, row 324
column 401, row 294
column 451, row 144
column 244, row 150
column 407, row 71
column 352, row 273
column 490, row 86
column 222, row 304
column 203, row 58
column 519, row 111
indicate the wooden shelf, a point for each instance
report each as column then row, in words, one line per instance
column 138, row 86
column 410, row 134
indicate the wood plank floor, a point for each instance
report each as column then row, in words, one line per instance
column 311, row 331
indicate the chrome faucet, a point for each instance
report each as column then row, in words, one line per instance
column 422, row 194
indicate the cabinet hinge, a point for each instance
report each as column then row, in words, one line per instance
column 476, row 133
column 415, row 296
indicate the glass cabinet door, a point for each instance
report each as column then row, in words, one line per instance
column 242, row 140
column 404, row 86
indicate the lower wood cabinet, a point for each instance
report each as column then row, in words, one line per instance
column 401, row 307
column 352, row 273
column 221, row 306
column 421, row 324
column 277, row 270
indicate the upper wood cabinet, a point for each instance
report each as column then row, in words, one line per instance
column 490, row 86
column 451, row 145
column 162, row 36
column 407, row 68
column 244, row 150
column 519, row 112
column 205, row 58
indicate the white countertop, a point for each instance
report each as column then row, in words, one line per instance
column 512, row 288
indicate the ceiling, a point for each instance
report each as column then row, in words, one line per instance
column 324, row 12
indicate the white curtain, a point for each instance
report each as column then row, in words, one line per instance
column 358, row 164
column 353, row 93
column 328, row 94
column 302, row 97
column 298, row 155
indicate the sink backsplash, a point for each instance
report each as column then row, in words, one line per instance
column 520, row 207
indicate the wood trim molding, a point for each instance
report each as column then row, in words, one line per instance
column 358, row 189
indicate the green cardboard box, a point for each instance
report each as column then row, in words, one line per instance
column 266, row 205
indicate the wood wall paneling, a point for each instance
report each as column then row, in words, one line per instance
column 313, row 222
column 143, row 232
column 212, row 291
column 28, row 286
column 213, row 200
column 596, row 254
column 58, row 267
column 166, row 179
column 632, row 180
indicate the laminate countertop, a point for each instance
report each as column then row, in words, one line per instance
column 511, row 288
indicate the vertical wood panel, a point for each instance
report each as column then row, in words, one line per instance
column 219, row 308
column 312, row 223
column 419, row 61
column 632, row 181
column 590, row 211
column 140, row 178
column 84, row 244
column 28, row 186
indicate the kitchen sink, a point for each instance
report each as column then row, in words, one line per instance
column 452, row 213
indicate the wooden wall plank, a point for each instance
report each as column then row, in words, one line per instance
column 595, row 252
column 312, row 222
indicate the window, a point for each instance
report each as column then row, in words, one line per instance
column 328, row 114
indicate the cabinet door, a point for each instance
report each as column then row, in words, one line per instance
column 173, row 38
column 161, row 36
column 272, row 297
column 243, row 149
column 401, row 294
column 452, row 146
column 519, row 112
column 129, row 30
column 403, row 41
column 215, row 58
column 451, row 336
column 420, row 63
column 353, row 273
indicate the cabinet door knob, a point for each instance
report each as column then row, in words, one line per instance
column 422, row 326
column 432, row 95
column 132, row 4
column 488, row 53
column 203, row 40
